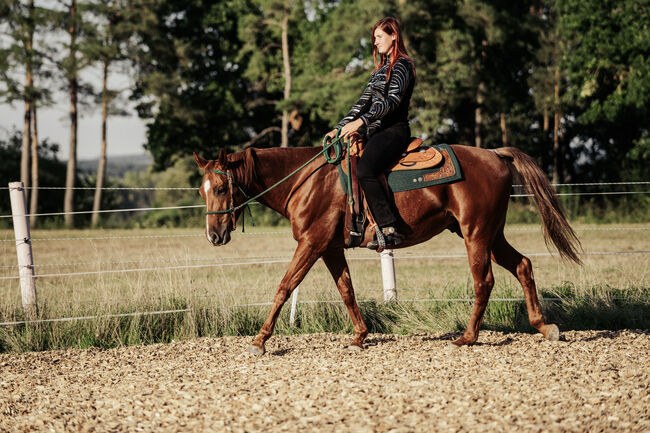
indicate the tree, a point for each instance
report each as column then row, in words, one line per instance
column 189, row 80
column 473, row 59
column 67, row 18
column 23, row 56
column 109, row 46
column 51, row 170
column 260, row 31
column 607, row 61
column 71, row 17
column 20, row 54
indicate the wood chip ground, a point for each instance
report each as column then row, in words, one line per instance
column 588, row 381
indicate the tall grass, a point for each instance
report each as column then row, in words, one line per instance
column 604, row 312
column 215, row 297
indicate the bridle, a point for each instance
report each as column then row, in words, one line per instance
column 340, row 146
column 232, row 209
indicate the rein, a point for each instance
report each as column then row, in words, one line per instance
column 339, row 145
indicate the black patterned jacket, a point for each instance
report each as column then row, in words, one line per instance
column 379, row 107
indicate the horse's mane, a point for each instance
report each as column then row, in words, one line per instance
column 242, row 165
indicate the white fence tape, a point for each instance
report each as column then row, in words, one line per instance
column 287, row 259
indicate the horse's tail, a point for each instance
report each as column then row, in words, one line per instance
column 556, row 227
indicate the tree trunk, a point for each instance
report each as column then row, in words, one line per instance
column 546, row 119
column 27, row 139
column 557, row 157
column 68, row 199
column 33, row 203
column 504, row 129
column 287, row 76
column 101, row 168
column 27, row 97
column 478, row 114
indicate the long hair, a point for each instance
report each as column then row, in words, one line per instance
column 391, row 27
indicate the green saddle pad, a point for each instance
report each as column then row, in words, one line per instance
column 404, row 180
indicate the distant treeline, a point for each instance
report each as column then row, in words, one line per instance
column 567, row 81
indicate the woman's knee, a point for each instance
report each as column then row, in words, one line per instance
column 365, row 170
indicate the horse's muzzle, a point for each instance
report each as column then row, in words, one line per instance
column 218, row 239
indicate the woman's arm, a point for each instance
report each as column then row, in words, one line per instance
column 397, row 86
column 357, row 109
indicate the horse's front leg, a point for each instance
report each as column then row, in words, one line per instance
column 335, row 261
column 303, row 259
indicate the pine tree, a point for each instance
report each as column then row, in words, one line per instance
column 22, row 56
column 110, row 46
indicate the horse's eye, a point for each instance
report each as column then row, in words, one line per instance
column 221, row 191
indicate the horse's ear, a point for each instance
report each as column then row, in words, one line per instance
column 222, row 159
column 202, row 163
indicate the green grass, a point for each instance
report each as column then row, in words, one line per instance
column 393, row 318
column 214, row 296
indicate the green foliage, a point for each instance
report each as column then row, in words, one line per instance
column 189, row 82
column 607, row 60
column 209, row 74
column 51, row 172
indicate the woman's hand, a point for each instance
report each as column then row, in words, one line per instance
column 351, row 127
column 332, row 134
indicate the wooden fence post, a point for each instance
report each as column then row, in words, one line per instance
column 23, row 249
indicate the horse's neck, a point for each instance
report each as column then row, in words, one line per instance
column 272, row 165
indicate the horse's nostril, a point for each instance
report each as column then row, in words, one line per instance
column 213, row 237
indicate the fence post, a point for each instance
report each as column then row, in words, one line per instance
column 23, row 248
column 388, row 275
column 294, row 305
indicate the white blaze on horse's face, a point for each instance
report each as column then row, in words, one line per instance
column 215, row 194
column 206, row 189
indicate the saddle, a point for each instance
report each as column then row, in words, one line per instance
column 416, row 157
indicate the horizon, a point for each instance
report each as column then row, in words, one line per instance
column 126, row 135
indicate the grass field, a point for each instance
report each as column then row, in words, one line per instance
column 214, row 295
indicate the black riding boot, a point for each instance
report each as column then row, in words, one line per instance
column 391, row 239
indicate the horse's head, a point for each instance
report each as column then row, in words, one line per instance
column 218, row 192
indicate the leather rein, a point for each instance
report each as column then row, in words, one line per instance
column 340, row 146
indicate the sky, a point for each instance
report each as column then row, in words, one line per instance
column 125, row 135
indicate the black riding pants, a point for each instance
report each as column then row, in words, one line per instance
column 383, row 149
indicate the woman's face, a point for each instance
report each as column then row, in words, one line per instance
column 383, row 41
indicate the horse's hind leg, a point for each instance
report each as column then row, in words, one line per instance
column 338, row 267
column 505, row 255
column 481, row 268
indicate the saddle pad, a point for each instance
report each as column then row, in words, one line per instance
column 446, row 171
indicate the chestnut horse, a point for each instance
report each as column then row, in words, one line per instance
column 314, row 202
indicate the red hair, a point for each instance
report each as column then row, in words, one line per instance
column 390, row 26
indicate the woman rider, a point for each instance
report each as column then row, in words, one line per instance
column 383, row 110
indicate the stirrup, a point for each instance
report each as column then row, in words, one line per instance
column 386, row 238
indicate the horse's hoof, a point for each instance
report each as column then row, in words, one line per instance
column 354, row 348
column 553, row 333
column 256, row 350
column 458, row 343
